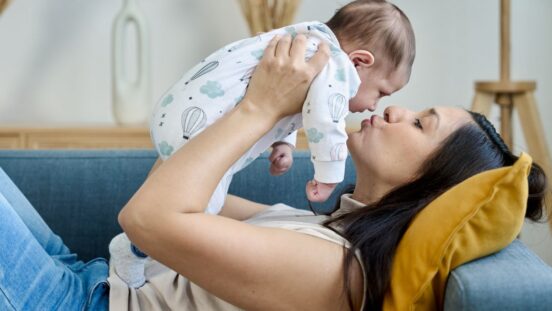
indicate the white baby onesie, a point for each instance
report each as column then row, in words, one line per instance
column 218, row 83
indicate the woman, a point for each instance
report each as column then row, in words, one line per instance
column 258, row 266
column 395, row 156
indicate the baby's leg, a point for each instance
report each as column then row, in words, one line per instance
column 129, row 264
column 319, row 192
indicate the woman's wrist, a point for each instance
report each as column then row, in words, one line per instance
column 265, row 119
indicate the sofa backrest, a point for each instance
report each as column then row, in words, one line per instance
column 80, row 192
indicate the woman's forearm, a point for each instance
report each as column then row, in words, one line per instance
column 185, row 182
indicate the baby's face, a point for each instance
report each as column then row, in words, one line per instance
column 377, row 82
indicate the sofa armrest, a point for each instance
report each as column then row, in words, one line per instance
column 512, row 279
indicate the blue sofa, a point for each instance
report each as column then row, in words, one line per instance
column 79, row 194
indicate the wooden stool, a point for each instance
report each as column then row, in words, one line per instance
column 515, row 95
column 519, row 96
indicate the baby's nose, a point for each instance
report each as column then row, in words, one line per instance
column 373, row 106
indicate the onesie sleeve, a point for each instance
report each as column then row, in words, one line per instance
column 324, row 112
column 291, row 139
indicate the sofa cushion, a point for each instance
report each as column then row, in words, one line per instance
column 478, row 217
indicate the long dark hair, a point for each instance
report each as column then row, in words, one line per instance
column 377, row 229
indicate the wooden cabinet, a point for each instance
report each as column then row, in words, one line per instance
column 90, row 137
column 97, row 137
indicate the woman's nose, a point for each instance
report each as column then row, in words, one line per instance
column 392, row 114
column 395, row 114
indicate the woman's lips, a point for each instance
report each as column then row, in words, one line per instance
column 373, row 119
column 370, row 121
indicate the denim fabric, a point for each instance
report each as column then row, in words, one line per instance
column 37, row 271
column 510, row 280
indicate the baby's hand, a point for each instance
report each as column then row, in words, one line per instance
column 319, row 192
column 281, row 158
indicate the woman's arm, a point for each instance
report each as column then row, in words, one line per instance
column 234, row 207
column 239, row 208
column 155, row 166
column 252, row 267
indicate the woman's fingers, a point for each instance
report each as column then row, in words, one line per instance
column 281, row 80
column 270, row 50
column 320, row 58
column 298, row 48
column 282, row 48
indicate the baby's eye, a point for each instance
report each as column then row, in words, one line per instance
column 418, row 124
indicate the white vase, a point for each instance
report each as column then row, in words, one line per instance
column 131, row 97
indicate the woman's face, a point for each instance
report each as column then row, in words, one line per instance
column 389, row 151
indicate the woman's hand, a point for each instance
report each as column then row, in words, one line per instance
column 280, row 82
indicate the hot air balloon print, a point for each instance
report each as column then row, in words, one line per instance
column 337, row 105
column 338, row 152
column 193, row 120
column 210, row 66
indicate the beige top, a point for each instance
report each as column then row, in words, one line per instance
column 167, row 290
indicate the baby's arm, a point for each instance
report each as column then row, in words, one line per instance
column 324, row 112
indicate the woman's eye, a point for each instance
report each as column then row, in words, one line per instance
column 418, row 124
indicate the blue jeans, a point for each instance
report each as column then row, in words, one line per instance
column 37, row 270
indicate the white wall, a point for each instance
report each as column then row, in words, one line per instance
column 55, row 56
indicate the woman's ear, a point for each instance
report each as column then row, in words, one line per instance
column 362, row 58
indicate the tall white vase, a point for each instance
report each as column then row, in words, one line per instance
column 131, row 97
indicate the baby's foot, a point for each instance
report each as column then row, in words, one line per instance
column 128, row 266
column 319, row 192
column 280, row 159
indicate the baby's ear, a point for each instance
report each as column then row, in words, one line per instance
column 362, row 58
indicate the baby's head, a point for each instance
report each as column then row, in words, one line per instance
column 379, row 40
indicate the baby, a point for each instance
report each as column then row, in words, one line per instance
column 372, row 50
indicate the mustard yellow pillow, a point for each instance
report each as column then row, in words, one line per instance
column 476, row 218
